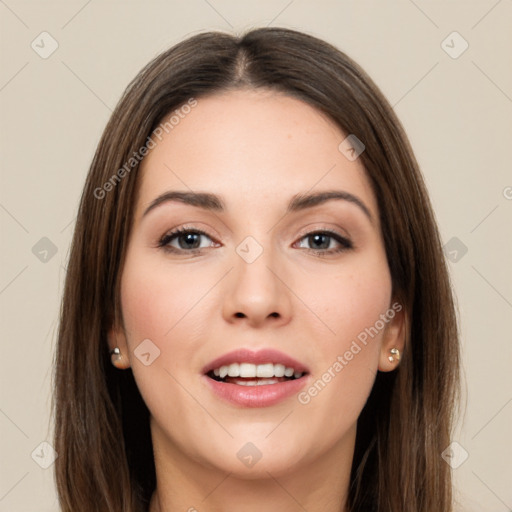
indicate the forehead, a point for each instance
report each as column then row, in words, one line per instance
column 252, row 145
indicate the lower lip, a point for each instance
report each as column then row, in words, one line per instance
column 256, row 396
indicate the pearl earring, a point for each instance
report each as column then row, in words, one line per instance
column 395, row 355
column 115, row 355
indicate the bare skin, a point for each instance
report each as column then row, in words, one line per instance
column 256, row 150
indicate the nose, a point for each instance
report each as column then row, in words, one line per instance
column 256, row 293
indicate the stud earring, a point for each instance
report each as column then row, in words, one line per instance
column 395, row 355
column 115, row 355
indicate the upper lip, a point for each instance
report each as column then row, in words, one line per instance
column 263, row 356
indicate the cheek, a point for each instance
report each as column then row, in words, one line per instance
column 157, row 300
column 159, row 304
column 351, row 304
column 172, row 308
column 361, row 304
column 351, row 300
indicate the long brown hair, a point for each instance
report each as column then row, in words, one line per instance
column 102, row 432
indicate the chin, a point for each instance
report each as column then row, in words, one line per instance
column 251, row 457
column 266, row 467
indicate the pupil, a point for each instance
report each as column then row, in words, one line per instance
column 189, row 238
column 318, row 238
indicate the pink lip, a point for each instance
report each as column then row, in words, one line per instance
column 256, row 396
column 243, row 355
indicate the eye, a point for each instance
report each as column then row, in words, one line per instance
column 326, row 242
column 184, row 240
column 188, row 240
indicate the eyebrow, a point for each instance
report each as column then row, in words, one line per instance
column 299, row 202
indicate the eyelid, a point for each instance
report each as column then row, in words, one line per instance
column 173, row 233
column 344, row 241
column 325, row 227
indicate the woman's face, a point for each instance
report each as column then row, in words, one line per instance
column 255, row 272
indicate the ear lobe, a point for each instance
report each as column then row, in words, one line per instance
column 117, row 341
column 393, row 340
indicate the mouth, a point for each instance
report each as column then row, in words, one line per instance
column 248, row 374
column 255, row 379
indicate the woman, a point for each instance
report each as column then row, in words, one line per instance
column 257, row 313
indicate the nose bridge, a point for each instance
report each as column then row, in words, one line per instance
column 255, row 290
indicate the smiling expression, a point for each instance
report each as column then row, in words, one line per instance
column 253, row 232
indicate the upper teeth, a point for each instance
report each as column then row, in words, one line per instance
column 267, row 370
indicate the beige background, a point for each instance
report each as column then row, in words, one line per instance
column 457, row 112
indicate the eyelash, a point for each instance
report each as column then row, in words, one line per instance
column 345, row 243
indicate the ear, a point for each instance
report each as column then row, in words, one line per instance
column 393, row 338
column 116, row 337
